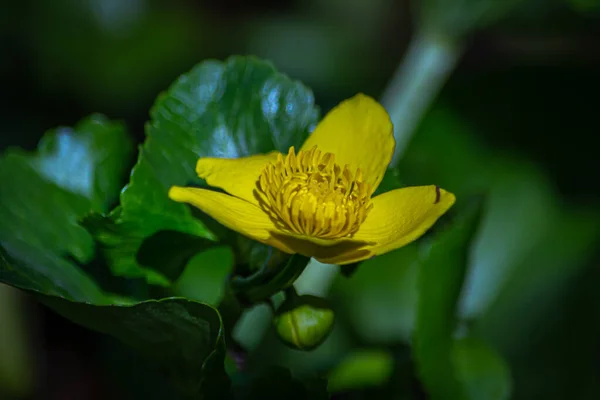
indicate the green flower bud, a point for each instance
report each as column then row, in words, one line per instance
column 304, row 322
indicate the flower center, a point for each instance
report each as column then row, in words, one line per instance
column 309, row 194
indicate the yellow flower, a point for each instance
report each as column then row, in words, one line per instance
column 317, row 202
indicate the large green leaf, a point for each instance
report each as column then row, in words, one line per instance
column 442, row 270
column 235, row 108
column 184, row 337
column 44, row 194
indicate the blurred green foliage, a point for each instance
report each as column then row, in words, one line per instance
column 442, row 268
column 360, row 369
column 17, row 372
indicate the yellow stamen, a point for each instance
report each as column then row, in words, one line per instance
column 309, row 194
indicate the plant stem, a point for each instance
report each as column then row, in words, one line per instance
column 416, row 83
column 317, row 278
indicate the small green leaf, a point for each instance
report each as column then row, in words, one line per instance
column 442, row 270
column 236, row 108
column 182, row 336
column 482, row 371
column 44, row 194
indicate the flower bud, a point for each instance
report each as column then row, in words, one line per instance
column 304, row 322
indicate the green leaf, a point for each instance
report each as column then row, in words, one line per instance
column 482, row 371
column 159, row 258
column 442, row 270
column 44, row 194
column 119, row 245
column 49, row 274
column 184, row 337
column 236, row 108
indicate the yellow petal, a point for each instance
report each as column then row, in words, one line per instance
column 397, row 218
column 359, row 133
column 321, row 249
column 237, row 176
column 236, row 214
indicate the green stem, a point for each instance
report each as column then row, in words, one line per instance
column 317, row 278
column 252, row 325
column 429, row 61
